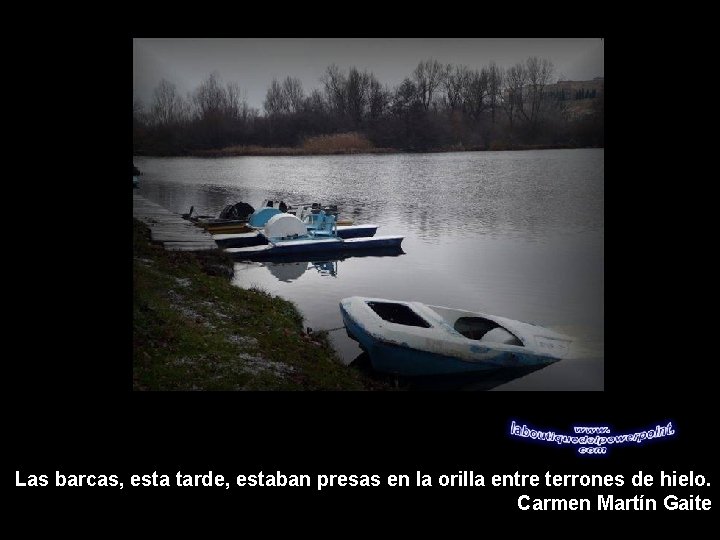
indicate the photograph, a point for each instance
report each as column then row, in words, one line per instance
column 364, row 280
column 368, row 214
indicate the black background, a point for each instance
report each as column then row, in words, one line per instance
column 69, row 327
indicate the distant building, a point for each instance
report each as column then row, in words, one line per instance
column 573, row 90
column 568, row 90
column 578, row 98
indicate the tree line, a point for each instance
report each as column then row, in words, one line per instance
column 436, row 107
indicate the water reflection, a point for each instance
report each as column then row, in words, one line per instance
column 291, row 271
column 326, row 268
column 465, row 381
column 515, row 234
column 337, row 255
column 287, row 272
column 290, row 268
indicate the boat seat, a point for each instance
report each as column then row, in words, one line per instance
column 398, row 314
column 473, row 327
column 500, row 335
column 324, row 224
column 485, row 330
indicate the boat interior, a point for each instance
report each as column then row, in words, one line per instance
column 483, row 329
column 398, row 314
column 476, row 328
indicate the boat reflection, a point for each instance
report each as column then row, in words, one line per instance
column 326, row 268
column 290, row 268
column 466, row 381
column 287, row 272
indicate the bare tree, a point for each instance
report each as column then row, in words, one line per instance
column 475, row 92
column 513, row 89
column 378, row 98
column 293, row 94
column 428, row 76
column 356, row 95
column 275, row 99
column 335, row 82
column 315, row 102
column 210, row 97
column 455, row 82
column 494, row 90
column 406, row 95
column 539, row 73
column 235, row 104
column 216, row 114
column 167, row 105
column 139, row 115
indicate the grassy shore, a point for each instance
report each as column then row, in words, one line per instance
column 352, row 143
column 340, row 143
column 238, row 151
column 194, row 330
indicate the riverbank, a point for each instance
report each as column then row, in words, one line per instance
column 322, row 145
column 351, row 143
column 194, row 330
column 240, row 151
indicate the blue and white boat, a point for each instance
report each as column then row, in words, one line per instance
column 411, row 338
column 287, row 235
column 259, row 218
column 136, row 176
column 238, row 240
column 305, row 209
column 314, row 220
column 322, row 220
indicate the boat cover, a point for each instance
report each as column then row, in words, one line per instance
column 284, row 226
column 261, row 217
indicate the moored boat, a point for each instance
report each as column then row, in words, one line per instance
column 411, row 338
column 247, row 239
column 136, row 174
column 260, row 217
column 209, row 222
column 307, row 211
column 240, row 217
column 228, row 228
column 287, row 235
column 314, row 220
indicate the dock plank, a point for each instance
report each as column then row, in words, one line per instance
column 169, row 229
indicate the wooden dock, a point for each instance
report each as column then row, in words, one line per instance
column 171, row 230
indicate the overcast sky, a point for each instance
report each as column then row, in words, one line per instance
column 254, row 62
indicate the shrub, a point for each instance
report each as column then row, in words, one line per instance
column 337, row 143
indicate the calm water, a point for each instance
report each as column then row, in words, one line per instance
column 517, row 234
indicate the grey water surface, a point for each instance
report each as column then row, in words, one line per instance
column 517, row 234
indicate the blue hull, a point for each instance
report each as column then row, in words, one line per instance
column 260, row 239
column 400, row 360
column 336, row 256
column 242, row 241
column 339, row 247
column 357, row 232
column 359, row 244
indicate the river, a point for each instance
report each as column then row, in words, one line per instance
column 517, row 234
